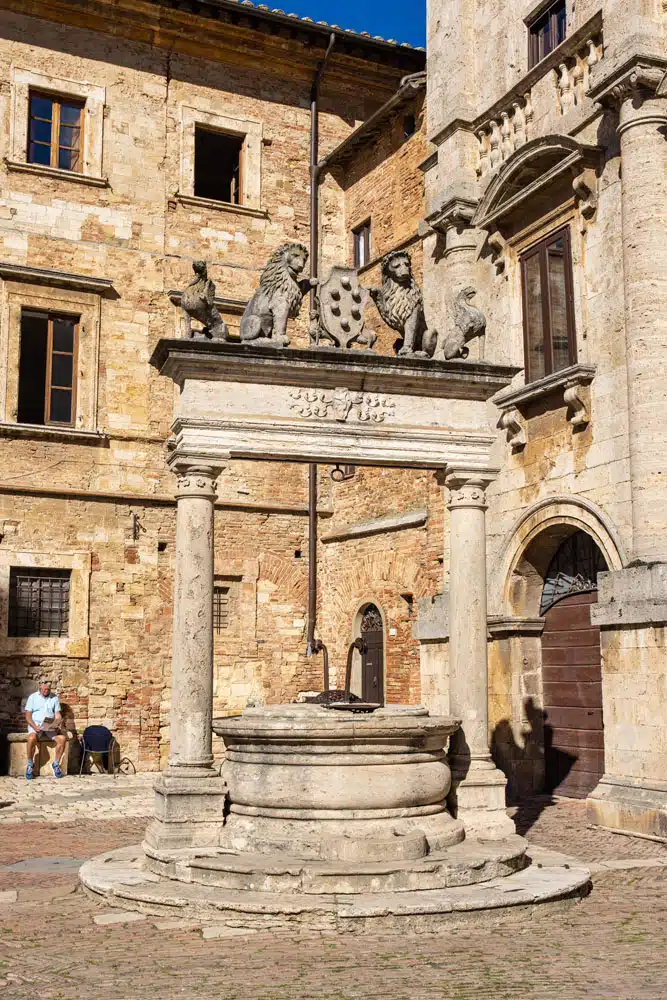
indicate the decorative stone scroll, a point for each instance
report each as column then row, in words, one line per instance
column 320, row 404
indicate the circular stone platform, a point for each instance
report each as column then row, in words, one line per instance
column 121, row 878
column 335, row 821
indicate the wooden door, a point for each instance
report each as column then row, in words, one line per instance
column 372, row 671
column 572, row 682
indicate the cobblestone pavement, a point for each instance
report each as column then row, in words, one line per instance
column 64, row 800
column 610, row 946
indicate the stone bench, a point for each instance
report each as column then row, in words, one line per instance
column 18, row 756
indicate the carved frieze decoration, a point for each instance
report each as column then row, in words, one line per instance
column 322, row 404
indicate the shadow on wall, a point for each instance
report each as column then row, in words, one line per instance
column 533, row 768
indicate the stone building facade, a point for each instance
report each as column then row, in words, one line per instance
column 102, row 236
column 529, row 163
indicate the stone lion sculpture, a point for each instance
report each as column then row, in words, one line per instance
column 401, row 306
column 469, row 321
column 278, row 298
column 197, row 302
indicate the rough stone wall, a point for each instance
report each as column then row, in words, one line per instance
column 61, row 495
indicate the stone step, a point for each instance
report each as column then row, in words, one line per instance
column 119, row 878
column 467, row 863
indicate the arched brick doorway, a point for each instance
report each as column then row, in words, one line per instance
column 571, row 669
column 372, row 658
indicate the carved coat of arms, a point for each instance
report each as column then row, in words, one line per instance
column 339, row 316
column 318, row 403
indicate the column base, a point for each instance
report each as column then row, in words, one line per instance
column 188, row 811
column 630, row 805
column 478, row 799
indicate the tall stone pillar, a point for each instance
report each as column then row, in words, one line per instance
column 632, row 602
column 642, row 121
column 190, row 795
column 479, row 787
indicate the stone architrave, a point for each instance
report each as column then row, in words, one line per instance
column 342, row 301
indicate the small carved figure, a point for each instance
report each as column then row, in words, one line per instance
column 470, row 322
column 197, row 303
column 401, row 306
column 278, row 298
column 339, row 316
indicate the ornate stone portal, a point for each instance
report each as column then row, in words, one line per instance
column 322, row 816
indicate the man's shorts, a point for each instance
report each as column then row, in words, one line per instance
column 44, row 735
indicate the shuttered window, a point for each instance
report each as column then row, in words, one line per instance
column 548, row 306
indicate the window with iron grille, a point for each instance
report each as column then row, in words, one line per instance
column 39, row 602
column 54, row 131
column 222, row 598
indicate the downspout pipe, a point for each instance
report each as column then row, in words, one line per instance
column 313, row 645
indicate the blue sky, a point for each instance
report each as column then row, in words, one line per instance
column 406, row 22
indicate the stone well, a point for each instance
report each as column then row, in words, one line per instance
column 335, row 785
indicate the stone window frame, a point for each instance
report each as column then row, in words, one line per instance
column 19, row 295
column 251, row 130
column 564, row 215
column 242, row 575
column 76, row 645
column 23, row 81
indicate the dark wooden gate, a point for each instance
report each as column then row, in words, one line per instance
column 372, row 671
column 571, row 671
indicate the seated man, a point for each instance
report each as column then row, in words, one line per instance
column 44, row 718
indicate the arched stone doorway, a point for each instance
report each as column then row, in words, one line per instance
column 370, row 628
column 571, row 669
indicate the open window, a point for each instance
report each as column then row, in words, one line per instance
column 548, row 309
column 218, row 165
column 47, row 368
column 362, row 243
column 55, row 131
column 546, row 31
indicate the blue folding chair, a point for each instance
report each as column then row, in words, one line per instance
column 100, row 741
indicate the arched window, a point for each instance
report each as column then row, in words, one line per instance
column 573, row 570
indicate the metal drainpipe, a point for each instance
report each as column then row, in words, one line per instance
column 313, row 646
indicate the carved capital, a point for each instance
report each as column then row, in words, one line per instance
column 456, row 213
column 467, row 488
column 638, row 83
column 196, row 481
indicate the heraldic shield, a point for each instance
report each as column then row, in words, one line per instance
column 340, row 313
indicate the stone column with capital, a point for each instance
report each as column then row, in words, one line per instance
column 190, row 794
column 479, row 787
column 641, row 127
